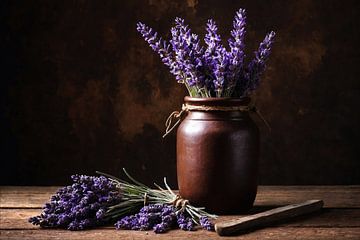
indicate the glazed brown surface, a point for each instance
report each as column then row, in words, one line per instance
column 81, row 91
column 217, row 157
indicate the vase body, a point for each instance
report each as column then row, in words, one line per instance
column 217, row 156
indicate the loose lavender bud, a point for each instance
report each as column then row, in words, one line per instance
column 206, row 224
column 81, row 205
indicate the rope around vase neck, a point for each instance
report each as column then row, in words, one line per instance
column 176, row 115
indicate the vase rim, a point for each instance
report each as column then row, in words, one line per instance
column 223, row 101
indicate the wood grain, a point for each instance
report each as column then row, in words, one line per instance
column 333, row 196
column 268, row 233
column 25, row 197
column 271, row 196
column 340, row 218
column 17, row 219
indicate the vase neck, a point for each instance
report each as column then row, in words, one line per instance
column 217, row 102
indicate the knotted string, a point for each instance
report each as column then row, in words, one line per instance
column 176, row 115
column 179, row 202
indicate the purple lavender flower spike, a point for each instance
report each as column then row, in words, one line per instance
column 206, row 224
column 179, row 48
column 212, row 38
column 129, row 223
column 237, row 46
column 168, row 218
column 79, row 206
column 184, row 222
column 236, row 43
column 192, row 41
column 159, row 217
column 257, row 65
column 160, row 46
column 216, row 57
column 221, row 64
column 212, row 71
column 188, row 53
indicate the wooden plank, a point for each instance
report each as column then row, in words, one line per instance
column 225, row 228
column 25, row 197
column 333, row 196
column 17, row 219
column 268, row 233
column 268, row 196
column 328, row 224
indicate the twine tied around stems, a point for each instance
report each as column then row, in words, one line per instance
column 175, row 117
column 179, row 202
column 146, row 199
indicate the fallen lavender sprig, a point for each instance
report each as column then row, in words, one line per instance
column 214, row 71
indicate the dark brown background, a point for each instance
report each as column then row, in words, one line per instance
column 81, row 91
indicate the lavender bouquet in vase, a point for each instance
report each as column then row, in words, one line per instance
column 217, row 141
column 211, row 71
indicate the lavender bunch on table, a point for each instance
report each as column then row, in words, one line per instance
column 81, row 205
column 165, row 209
column 213, row 71
column 93, row 201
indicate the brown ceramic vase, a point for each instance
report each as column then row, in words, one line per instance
column 217, row 156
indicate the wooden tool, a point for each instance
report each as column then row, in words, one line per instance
column 270, row 216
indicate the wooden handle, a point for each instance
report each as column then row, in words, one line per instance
column 260, row 219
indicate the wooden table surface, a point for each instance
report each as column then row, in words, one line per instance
column 340, row 218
